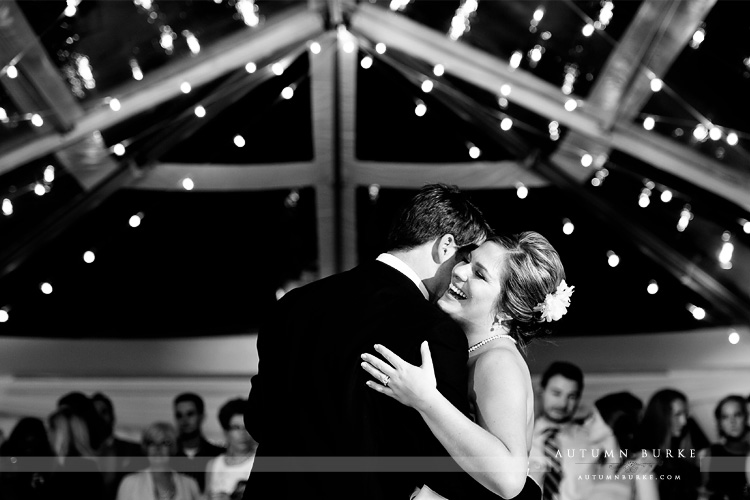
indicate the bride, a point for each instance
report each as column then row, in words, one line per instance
column 502, row 294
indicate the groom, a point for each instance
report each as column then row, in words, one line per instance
column 321, row 432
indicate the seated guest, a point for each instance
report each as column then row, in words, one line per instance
column 27, row 439
column 225, row 472
column 724, row 462
column 117, row 457
column 159, row 481
column 189, row 413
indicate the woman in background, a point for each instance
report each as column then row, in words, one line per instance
column 76, row 473
column 664, row 428
column 724, row 478
column 159, row 481
column 28, row 439
column 225, row 473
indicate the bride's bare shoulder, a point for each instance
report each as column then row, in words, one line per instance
column 501, row 363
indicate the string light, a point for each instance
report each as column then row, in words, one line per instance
column 46, row 288
column 277, row 69
column 732, row 139
column 39, row 189
column 366, row 62
column 461, row 19
column 700, row 132
column 515, row 59
column 535, row 54
column 37, row 120
column 656, row 84
column 538, row 14
column 167, row 38
column 571, row 105
column 474, row 152
column 248, row 11
column 698, row 312
column 251, row 67
column 521, row 191
column 652, row 287
column 239, row 141
column 438, row 70
column 612, row 258
column 4, row 316
column 315, row 48
column 568, row 227
column 88, row 257
column 200, row 111
column 685, row 217
column 349, row 46
column 420, row 109
column 734, row 337
column 136, row 70
column 192, row 41
column 287, row 93
column 725, row 255
column 505, row 90
column 698, row 37
column 188, row 184
column 588, row 30
column 506, row 124
column 373, row 191
column 185, row 88
column 380, row 48
column 745, row 225
column 666, row 196
column 118, row 149
column 714, row 133
column 114, row 104
column 11, row 71
column 649, row 122
column 587, row 160
column 396, row 5
column 7, row 207
column 49, row 173
column 135, row 220
column 427, row 86
column 3, row 115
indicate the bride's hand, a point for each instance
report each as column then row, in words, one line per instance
column 408, row 384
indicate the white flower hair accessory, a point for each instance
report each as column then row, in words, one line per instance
column 556, row 304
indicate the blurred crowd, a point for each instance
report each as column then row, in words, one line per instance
column 625, row 450
column 76, row 454
column 620, row 449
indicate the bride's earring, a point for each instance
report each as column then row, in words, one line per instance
column 495, row 325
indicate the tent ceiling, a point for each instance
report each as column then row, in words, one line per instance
column 315, row 179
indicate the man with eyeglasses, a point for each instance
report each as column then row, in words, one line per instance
column 189, row 413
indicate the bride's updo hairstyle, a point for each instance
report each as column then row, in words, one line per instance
column 531, row 269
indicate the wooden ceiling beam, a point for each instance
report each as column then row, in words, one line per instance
column 228, row 54
column 489, row 72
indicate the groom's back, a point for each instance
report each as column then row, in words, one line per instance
column 310, row 398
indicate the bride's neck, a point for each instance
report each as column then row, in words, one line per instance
column 476, row 332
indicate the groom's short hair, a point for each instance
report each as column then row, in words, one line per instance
column 437, row 210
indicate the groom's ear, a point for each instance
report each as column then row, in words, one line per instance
column 446, row 248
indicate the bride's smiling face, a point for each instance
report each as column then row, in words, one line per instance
column 475, row 286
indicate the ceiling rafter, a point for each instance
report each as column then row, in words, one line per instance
column 230, row 53
column 39, row 87
column 654, row 39
column 486, row 71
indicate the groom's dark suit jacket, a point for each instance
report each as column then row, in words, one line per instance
column 309, row 398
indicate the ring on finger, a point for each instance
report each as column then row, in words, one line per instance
column 386, row 380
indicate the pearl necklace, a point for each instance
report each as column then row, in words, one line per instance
column 488, row 339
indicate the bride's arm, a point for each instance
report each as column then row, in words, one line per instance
column 495, row 456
